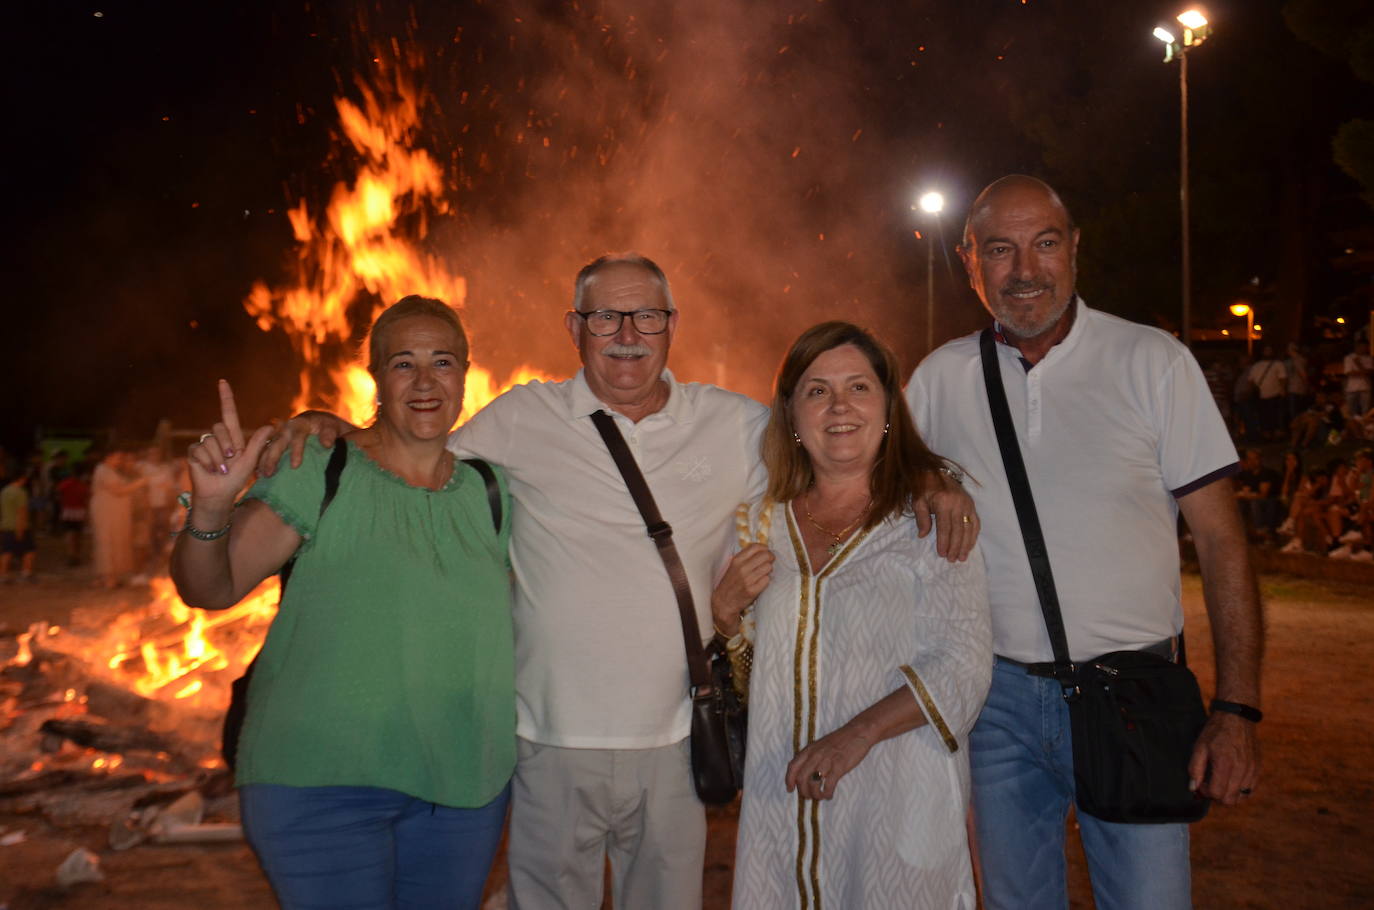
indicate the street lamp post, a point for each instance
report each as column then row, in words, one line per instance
column 931, row 203
column 1244, row 309
column 1195, row 31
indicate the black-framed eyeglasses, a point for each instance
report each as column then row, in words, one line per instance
column 607, row 322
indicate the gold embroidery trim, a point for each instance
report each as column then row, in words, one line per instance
column 809, row 612
column 932, row 712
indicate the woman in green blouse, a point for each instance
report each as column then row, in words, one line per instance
column 379, row 742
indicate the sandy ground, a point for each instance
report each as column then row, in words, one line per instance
column 1305, row 840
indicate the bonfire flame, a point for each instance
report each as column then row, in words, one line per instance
column 369, row 240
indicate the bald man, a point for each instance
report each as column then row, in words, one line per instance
column 1119, row 434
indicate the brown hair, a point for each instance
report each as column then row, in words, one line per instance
column 903, row 468
column 413, row 305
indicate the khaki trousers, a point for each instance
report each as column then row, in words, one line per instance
column 572, row 808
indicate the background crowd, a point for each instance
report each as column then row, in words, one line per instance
column 1306, row 429
column 112, row 511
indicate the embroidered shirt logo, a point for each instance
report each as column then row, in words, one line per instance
column 695, row 470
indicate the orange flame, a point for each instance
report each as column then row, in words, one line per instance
column 360, row 246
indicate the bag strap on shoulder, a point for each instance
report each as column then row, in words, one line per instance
column 1036, row 552
column 338, row 457
column 493, row 489
column 662, row 534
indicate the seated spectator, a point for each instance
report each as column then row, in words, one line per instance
column 1321, row 422
column 1291, row 478
column 1304, row 516
column 1258, row 496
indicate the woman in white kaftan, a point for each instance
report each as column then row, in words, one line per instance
column 871, row 653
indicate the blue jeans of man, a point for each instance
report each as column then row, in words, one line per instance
column 1022, row 759
column 341, row 848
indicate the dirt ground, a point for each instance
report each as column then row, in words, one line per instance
column 1303, row 841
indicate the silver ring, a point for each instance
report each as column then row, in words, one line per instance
column 817, row 777
column 201, row 440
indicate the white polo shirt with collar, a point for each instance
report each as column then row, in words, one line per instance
column 1114, row 424
column 598, row 641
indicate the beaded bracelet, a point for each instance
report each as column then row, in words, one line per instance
column 198, row 534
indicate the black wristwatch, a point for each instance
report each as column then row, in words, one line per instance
column 1252, row 714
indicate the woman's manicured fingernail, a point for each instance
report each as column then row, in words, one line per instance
column 224, row 469
column 228, row 453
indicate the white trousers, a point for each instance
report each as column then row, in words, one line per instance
column 571, row 808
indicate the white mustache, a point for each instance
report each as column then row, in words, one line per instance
column 626, row 350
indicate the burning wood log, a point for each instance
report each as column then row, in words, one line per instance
column 44, row 780
column 104, row 737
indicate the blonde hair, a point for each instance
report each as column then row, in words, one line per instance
column 413, row 305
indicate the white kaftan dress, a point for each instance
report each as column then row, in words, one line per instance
column 887, row 611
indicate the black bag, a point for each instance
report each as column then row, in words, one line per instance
column 718, row 717
column 1134, row 723
column 1134, row 715
column 720, row 724
column 237, row 711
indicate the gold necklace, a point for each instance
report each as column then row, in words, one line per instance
column 837, row 537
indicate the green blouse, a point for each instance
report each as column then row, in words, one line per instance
column 391, row 659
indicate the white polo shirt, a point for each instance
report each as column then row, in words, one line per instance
column 598, row 642
column 1114, row 423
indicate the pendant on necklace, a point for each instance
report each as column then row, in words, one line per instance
column 834, row 547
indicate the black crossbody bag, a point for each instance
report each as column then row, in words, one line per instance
column 1134, row 715
column 237, row 711
column 719, row 718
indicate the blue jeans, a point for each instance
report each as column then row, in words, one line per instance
column 331, row 848
column 1022, row 759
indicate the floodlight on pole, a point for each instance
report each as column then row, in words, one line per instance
column 932, row 203
column 1193, row 19
column 1196, row 30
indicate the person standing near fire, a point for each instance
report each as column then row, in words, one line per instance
column 1119, row 435
column 375, row 759
column 601, row 674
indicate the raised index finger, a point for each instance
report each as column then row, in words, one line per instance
column 229, row 413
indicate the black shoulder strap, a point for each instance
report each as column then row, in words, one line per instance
column 338, row 457
column 493, row 489
column 1026, row 515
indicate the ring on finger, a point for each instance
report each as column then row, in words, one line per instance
column 204, row 436
column 967, row 519
column 1246, row 791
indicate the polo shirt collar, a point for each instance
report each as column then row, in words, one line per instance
column 583, row 402
column 1065, row 344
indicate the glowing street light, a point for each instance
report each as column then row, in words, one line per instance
column 1243, row 309
column 932, row 203
column 1196, row 30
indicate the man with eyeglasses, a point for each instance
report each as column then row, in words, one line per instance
column 601, row 684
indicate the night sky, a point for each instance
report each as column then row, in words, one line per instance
column 766, row 154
